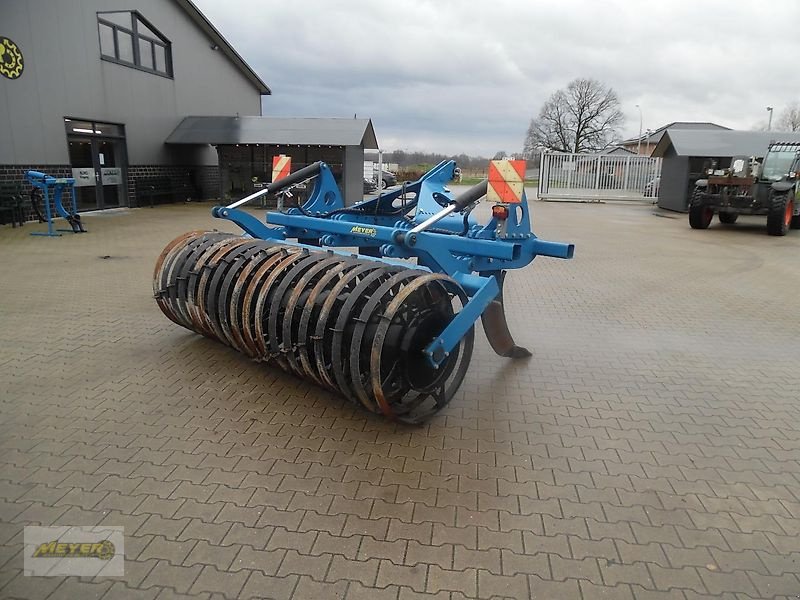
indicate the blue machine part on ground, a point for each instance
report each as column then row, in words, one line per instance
column 52, row 189
column 393, row 323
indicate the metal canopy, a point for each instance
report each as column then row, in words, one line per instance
column 721, row 143
column 274, row 130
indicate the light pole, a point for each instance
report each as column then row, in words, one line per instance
column 639, row 142
column 769, row 125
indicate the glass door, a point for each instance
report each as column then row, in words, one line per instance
column 98, row 159
column 81, row 157
column 110, row 172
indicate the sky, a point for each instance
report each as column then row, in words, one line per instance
column 453, row 76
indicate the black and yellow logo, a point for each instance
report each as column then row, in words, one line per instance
column 11, row 61
column 103, row 550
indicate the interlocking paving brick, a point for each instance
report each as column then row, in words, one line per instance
column 260, row 586
column 643, row 452
column 411, row 576
column 162, row 548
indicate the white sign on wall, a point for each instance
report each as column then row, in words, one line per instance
column 111, row 175
column 83, row 176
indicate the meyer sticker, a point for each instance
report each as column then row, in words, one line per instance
column 360, row 230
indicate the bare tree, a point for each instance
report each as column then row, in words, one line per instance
column 790, row 118
column 583, row 117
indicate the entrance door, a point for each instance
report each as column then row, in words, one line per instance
column 81, row 157
column 108, row 155
column 98, row 163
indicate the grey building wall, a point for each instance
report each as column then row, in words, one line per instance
column 65, row 77
column 353, row 176
column 672, row 193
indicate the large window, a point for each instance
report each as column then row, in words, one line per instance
column 127, row 38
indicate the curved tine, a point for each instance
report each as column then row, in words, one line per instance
column 168, row 278
column 265, row 297
column 206, row 269
column 371, row 313
column 290, row 335
column 180, row 240
column 324, row 314
column 161, row 283
column 383, row 328
column 340, row 346
column 236, row 308
column 496, row 326
column 315, row 301
column 251, row 294
column 417, row 411
column 277, row 308
column 217, row 310
column 179, row 272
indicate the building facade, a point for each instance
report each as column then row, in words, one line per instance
column 92, row 89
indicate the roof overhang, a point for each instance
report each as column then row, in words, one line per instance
column 724, row 143
column 222, row 131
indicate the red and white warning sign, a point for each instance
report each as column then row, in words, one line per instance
column 506, row 179
column 281, row 165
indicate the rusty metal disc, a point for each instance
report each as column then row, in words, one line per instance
column 197, row 287
column 179, row 269
column 323, row 332
column 250, row 296
column 311, row 313
column 277, row 307
column 346, row 322
column 264, row 299
column 365, row 326
column 392, row 365
column 220, row 287
column 300, row 295
column 236, row 310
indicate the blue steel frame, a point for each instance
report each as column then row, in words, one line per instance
column 474, row 255
column 53, row 187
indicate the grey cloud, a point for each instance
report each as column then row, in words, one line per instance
column 466, row 76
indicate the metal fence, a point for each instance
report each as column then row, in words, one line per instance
column 595, row 177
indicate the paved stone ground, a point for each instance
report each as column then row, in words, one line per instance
column 650, row 449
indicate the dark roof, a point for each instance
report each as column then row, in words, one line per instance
column 200, row 19
column 721, row 143
column 655, row 136
column 618, row 150
column 274, row 130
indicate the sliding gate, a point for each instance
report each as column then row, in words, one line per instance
column 595, row 177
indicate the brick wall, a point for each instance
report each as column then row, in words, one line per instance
column 203, row 180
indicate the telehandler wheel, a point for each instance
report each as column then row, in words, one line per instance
column 700, row 216
column 780, row 214
column 728, row 218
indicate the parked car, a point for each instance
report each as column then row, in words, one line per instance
column 389, row 179
column 370, row 186
column 651, row 187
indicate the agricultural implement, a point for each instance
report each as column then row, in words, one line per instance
column 389, row 327
column 52, row 190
